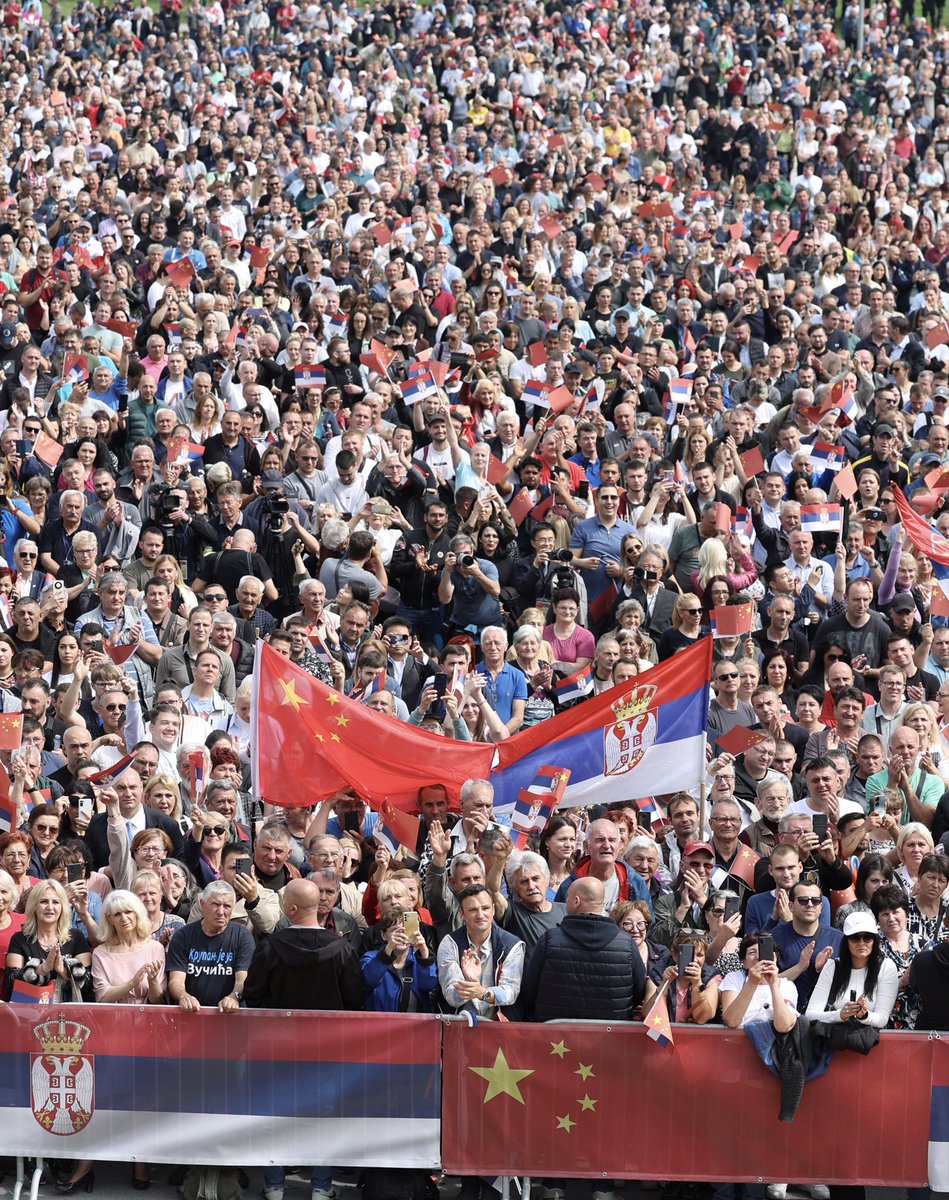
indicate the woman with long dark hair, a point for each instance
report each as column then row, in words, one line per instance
column 861, row 983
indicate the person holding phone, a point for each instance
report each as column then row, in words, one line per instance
column 401, row 975
column 862, row 984
column 757, row 992
column 693, row 990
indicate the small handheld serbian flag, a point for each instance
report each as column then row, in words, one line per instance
column 576, row 686
column 75, row 368
column 7, row 815
column 828, row 458
column 680, row 392
column 535, row 804
column 731, row 620
column 196, row 775
column 309, row 375
column 363, row 691
column 181, row 452
column 32, row 993
column 418, row 388
column 336, row 325
column 743, row 522
column 535, row 392
column 395, row 828
column 822, row 518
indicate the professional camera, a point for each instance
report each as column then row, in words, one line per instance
column 467, row 560
column 164, row 503
column 276, row 508
column 563, row 575
column 564, row 556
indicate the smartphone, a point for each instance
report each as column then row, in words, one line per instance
column 880, row 805
column 75, row 872
column 97, row 647
column 766, row 948
column 243, row 866
column 440, row 683
column 124, row 402
column 853, row 996
column 24, row 448
column 732, row 905
column 645, row 820
column 820, row 823
column 685, row 958
column 583, row 490
column 85, row 806
column 410, row 924
column 351, row 822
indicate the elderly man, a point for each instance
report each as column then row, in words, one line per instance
column 773, row 799
column 469, row 586
column 506, row 686
column 323, row 850
column 479, row 964
column 123, row 623
column 55, row 542
column 257, row 908
column 685, row 905
column 208, row 959
column 272, row 866
column 444, row 883
column 619, row 882
column 477, row 808
column 528, row 914
column 921, row 791
column 585, row 969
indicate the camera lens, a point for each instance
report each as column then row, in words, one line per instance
column 564, row 556
column 467, row 560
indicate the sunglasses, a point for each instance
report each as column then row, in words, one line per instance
column 214, row 830
column 810, row 901
column 115, row 707
column 214, row 596
column 860, row 937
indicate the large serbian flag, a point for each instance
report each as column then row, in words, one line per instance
column 642, row 738
column 310, row 742
column 153, row 1084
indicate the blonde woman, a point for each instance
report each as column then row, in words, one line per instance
column 933, row 748
column 47, row 949
column 128, row 965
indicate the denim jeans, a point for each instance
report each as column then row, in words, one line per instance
column 321, row 1177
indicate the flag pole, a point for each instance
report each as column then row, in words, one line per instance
column 703, row 793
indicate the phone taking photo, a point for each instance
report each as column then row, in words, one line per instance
column 766, row 948
column 684, row 959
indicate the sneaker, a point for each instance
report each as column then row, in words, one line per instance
column 777, row 1191
column 602, row 1195
column 320, row 1194
column 554, row 1193
column 273, row 1193
column 818, row 1191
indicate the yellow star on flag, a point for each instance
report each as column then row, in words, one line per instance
column 502, row 1079
column 559, row 1048
column 342, row 720
column 588, row 1105
column 290, row 694
column 332, row 698
column 319, row 737
column 565, row 1123
column 335, row 737
column 585, row 1072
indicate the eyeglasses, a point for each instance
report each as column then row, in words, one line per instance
column 726, row 820
column 115, row 707
column 809, row 901
column 214, row 830
column 834, row 657
column 717, row 912
column 25, row 554
column 699, row 866
column 860, row 937
column 887, row 502
column 634, row 926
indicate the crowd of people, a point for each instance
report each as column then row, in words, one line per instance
column 475, row 357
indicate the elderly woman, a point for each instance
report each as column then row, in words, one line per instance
column 928, row 907
column 912, row 845
column 85, row 903
column 16, row 848
column 644, row 856
column 724, row 951
column 149, row 849
column 693, row 995
column 634, row 917
column 528, row 654
column 147, row 886
column 629, row 619
column 44, row 824
column 128, row 965
column 47, row 950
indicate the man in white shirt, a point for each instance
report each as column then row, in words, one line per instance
column 807, row 569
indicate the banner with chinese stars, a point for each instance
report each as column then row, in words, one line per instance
column 577, row 1100
column 310, row 742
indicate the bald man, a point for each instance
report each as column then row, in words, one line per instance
column 585, row 969
column 226, row 569
column 304, row 965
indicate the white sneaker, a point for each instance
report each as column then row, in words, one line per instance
column 320, row 1194
column 818, row 1191
column 777, row 1191
column 273, row 1193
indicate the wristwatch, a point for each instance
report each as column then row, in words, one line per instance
column 489, row 997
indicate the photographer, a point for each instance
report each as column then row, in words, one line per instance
column 470, row 585
column 188, row 536
column 644, row 583
column 539, row 574
column 280, row 526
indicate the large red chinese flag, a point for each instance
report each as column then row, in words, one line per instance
column 310, row 742
column 923, row 536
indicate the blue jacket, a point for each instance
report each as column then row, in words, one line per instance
column 382, row 985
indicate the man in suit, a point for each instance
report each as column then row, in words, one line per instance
column 409, row 673
column 905, row 347
column 658, row 602
column 124, row 803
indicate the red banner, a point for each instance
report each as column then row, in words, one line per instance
column 601, row 1101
